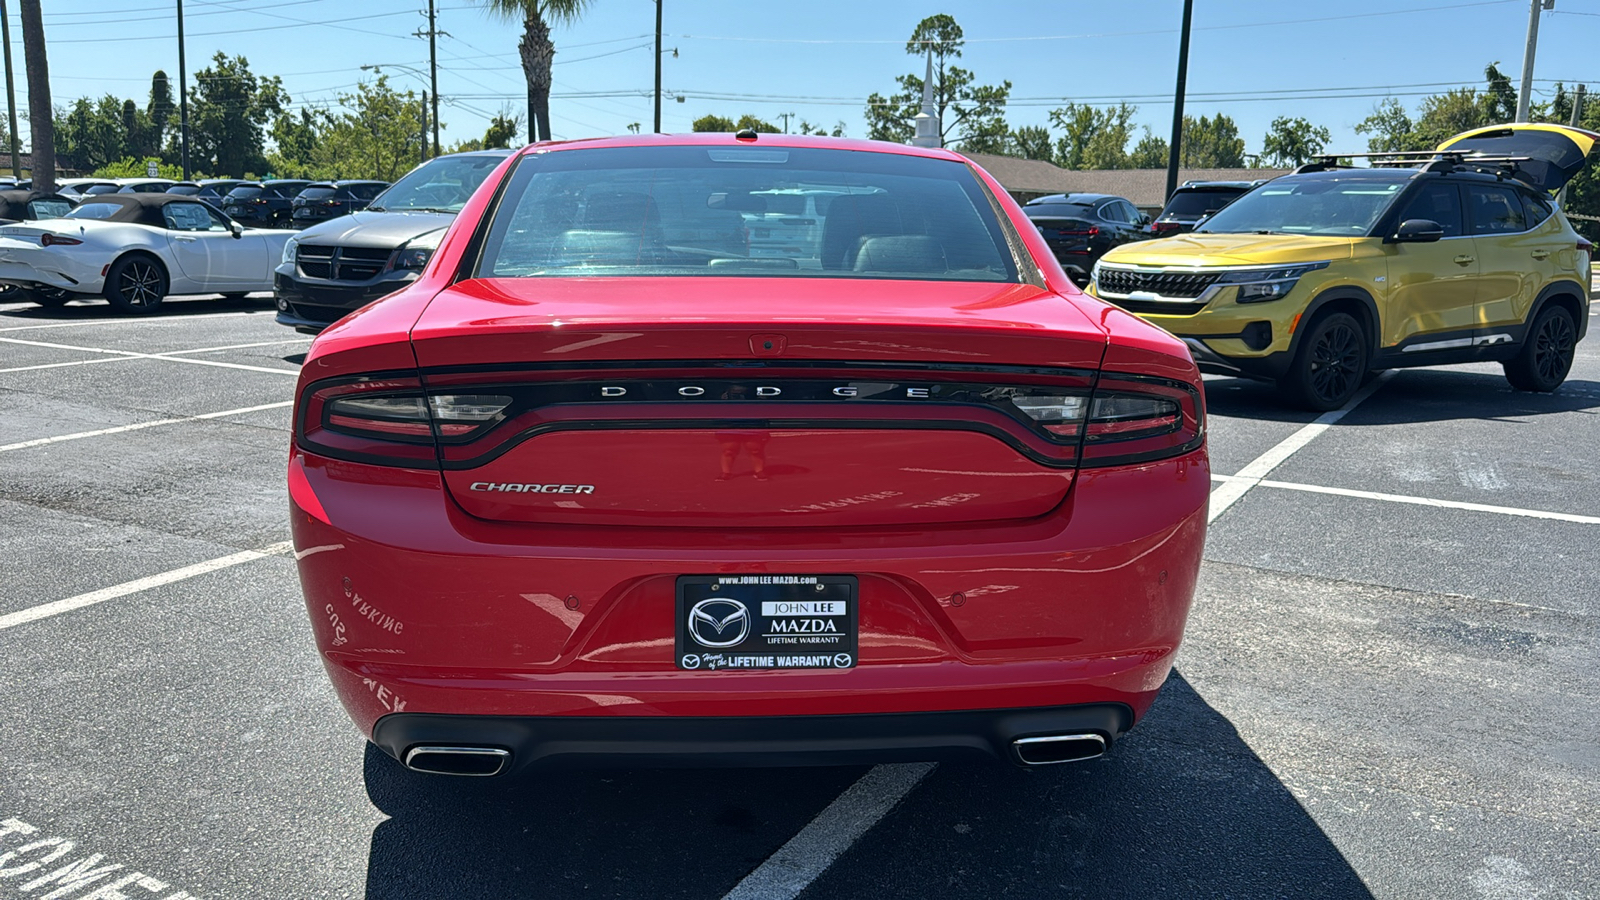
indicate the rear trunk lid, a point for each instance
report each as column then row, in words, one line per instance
column 1545, row 157
column 767, row 402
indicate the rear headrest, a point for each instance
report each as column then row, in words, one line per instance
column 916, row 253
column 852, row 217
column 621, row 211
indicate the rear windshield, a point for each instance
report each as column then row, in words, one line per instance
column 732, row 211
column 49, row 209
column 316, row 193
column 365, row 191
column 92, row 210
column 1058, row 209
column 1194, row 204
column 244, row 193
column 1322, row 206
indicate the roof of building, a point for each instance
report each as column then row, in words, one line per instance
column 1145, row 187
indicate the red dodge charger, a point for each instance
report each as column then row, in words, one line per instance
column 745, row 449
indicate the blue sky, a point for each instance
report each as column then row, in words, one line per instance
column 819, row 59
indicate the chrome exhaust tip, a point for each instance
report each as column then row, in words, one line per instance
column 471, row 762
column 1050, row 749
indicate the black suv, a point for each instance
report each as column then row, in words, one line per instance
column 1193, row 201
column 327, row 199
column 263, row 204
column 211, row 190
column 1080, row 228
column 340, row 265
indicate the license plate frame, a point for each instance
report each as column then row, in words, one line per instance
column 766, row 622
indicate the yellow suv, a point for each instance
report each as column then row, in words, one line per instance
column 1316, row 278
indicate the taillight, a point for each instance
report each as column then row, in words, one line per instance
column 391, row 420
column 1135, row 419
column 56, row 240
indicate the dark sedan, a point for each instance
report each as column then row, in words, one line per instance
column 1080, row 228
column 327, row 199
column 263, row 204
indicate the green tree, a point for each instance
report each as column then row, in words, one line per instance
column 295, row 138
column 536, row 49
column 972, row 112
column 160, row 108
column 229, row 110
column 135, row 167
column 808, row 128
column 1032, row 142
column 1093, row 137
column 503, row 129
column 378, row 134
column 90, row 134
column 1212, row 143
column 1150, row 153
column 713, row 122
column 1293, row 142
column 1389, row 126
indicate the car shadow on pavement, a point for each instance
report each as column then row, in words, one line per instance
column 1411, row 396
column 90, row 310
column 690, row 833
column 1180, row 808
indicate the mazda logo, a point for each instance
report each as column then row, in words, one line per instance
column 719, row 622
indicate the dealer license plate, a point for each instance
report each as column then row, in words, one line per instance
column 766, row 622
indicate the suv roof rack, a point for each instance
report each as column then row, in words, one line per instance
column 1422, row 160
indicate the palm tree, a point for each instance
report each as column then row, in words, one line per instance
column 40, row 115
column 536, row 49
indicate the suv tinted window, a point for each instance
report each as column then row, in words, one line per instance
column 1536, row 209
column 244, row 193
column 316, row 193
column 1194, row 204
column 1439, row 202
column 1495, row 209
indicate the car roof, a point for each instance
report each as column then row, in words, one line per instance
column 724, row 139
column 140, row 209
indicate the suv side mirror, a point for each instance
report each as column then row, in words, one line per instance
column 236, row 229
column 1418, row 231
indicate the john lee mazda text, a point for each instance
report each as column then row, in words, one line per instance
column 601, row 486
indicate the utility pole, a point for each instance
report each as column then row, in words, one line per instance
column 1577, row 116
column 424, row 124
column 785, row 118
column 183, row 99
column 658, row 66
column 1526, row 94
column 1175, row 149
column 11, row 92
column 433, row 75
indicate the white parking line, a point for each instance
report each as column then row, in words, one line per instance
column 1415, row 501
column 137, row 426
column 809, row 853
column 165, row 320
column 129, row 354
column 57, row 607
column 1251, row 475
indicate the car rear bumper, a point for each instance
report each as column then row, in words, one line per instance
column 38, row 268
column 418, row 607
column 641, row 741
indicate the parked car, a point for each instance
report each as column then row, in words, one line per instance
column 594, row 489
column 340, row 265
column 144, row 185
column 1321, row 276
column 1193, row 201
column 330, row 199
column 78, row 188
column 30, row 206
column 263, row 204
column 1080, row 228
column 134, row 250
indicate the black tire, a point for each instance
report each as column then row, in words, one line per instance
column 136, row 284
column 50, row 298
column 1546, row 355
column 1330, row 365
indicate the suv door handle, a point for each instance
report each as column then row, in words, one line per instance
column 1464, row 260
column 1541, row 254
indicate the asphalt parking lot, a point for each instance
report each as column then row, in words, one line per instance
column 1388, row 688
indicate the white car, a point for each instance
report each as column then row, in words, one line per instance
column 135, row 249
